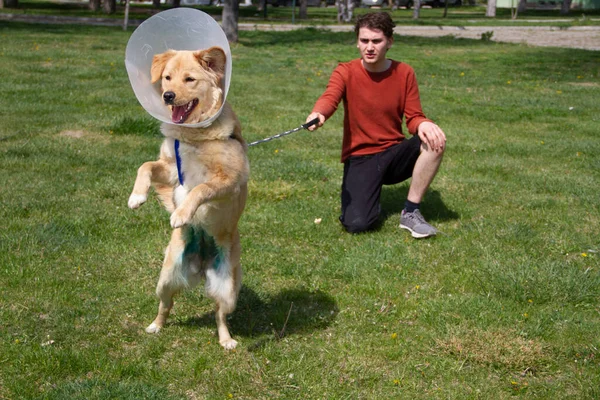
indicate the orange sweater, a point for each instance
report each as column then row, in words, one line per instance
column 374, row 104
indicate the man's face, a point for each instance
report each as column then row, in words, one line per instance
column 373, row 46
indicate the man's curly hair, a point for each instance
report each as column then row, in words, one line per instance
column 376, row 21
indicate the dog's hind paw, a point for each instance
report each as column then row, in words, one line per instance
column 229, row 344
column 153, row 328
column 136, row 200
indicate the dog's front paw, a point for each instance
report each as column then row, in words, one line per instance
column 229, row 344
column 180, row 218
column 153, row 328
column 136, row 200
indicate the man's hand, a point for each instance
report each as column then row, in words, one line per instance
column 318, row 124
column 432, row 136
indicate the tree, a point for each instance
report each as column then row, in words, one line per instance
column 566, row 7
column 303, row 9
column 490, row 10
column 345, row 9
column 109, row 6
column 417, row 9
column 155, row 3
column 262, row 7
column 521, row 6
column 94, row 5
column 9, row 3
column 231, row 12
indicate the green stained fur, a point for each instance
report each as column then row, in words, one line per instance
column 199, row 242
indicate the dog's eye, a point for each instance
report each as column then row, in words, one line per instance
column 168, row 77
column 189, row 79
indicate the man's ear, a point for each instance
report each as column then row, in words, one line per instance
column 213, row 58
column 159, row 61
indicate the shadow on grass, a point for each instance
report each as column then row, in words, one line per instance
column 432, row 207
column 292, row 311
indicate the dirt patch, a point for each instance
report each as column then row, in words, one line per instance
column 74, row 134
column 586, row 84
column 579, row 37
column 502, row 347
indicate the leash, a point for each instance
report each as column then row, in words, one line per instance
column 303, row 126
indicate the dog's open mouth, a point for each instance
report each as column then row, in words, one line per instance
column 180, row 113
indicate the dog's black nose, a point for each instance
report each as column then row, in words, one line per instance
column 168, row 97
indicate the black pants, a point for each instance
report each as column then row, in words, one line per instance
column 364, row 177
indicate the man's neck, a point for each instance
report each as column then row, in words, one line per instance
column 379, row 67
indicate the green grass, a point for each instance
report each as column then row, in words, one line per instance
column 457, row 16
column 503, row 304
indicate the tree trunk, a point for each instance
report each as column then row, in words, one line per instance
column 514, row 11
column 155, row 3
column 566, row 7
column 351, row 5
column 126, row 16
column 231, row 11
column 303, row 9
column 344, row 10
column 445, row 9
column 9, row 3
column 109, row 6
column 416, row 9
column 94, row 5
column 262, row 6
column 490, row 10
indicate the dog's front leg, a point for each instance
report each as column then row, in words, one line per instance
column 151, row 171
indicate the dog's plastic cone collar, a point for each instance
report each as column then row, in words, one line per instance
column 177, row 29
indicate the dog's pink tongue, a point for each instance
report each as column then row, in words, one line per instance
column 178, row 114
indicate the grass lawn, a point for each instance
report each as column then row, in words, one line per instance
column 503, row 304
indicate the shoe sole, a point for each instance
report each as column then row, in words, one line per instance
column 417, row 235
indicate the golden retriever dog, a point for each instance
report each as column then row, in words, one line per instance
column 201, row 177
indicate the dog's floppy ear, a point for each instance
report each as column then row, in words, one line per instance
column 213, row 58
column 158, row 64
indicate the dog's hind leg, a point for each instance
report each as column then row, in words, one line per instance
column 179, row 271
column 166, row 289
column 223, row 282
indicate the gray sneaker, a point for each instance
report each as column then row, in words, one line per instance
column 416, row 224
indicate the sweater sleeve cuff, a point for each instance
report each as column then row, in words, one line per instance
column 413, row 126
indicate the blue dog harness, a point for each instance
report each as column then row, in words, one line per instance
column 178, row 162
